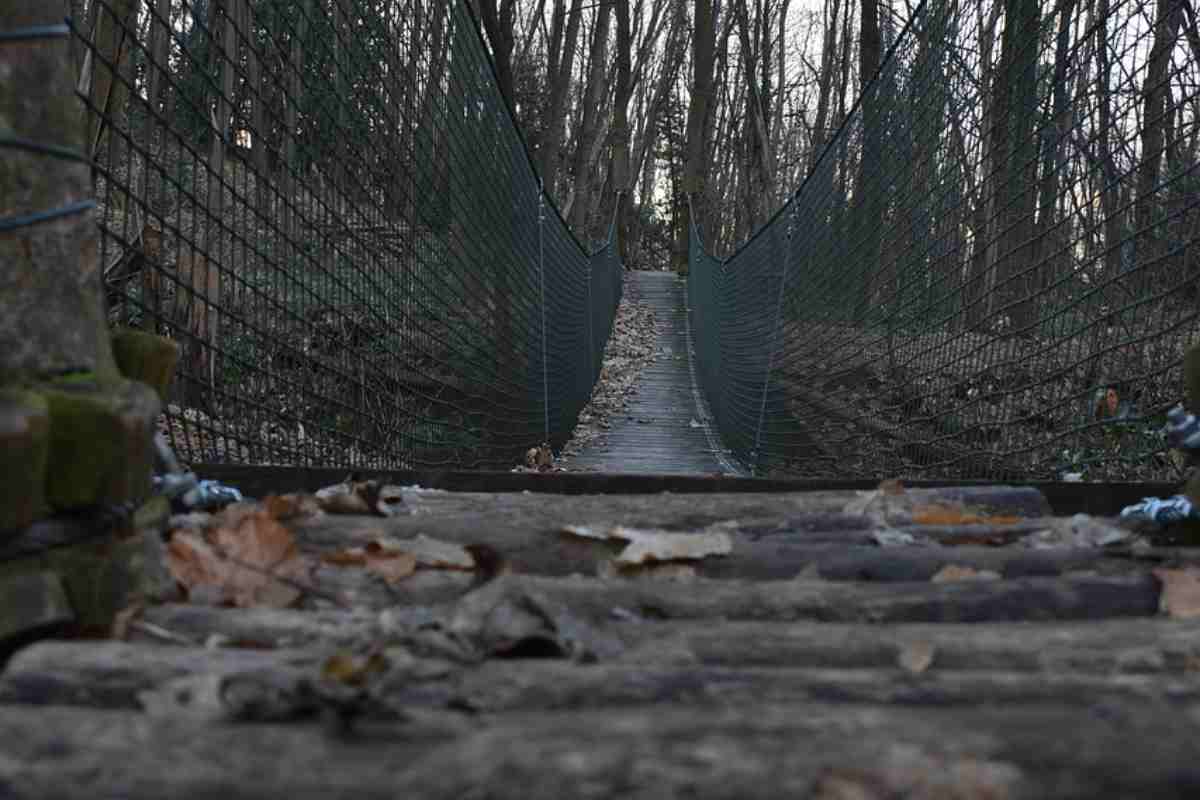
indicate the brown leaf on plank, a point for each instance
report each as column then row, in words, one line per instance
column 647, row 545
column 947, row 515
column 953, row 572
column 246, row 559
column 360, row 497
column 1180, row 595
column 290, row 506
column 540, row 458
column 390, row 563
column 346, row 669
column 348, row 557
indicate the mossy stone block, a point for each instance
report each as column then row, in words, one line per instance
column 147, row 358
column 101, row 576
column 32, row 601
column 24, row 450
column 101, row 450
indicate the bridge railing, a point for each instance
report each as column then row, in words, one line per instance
column 328, row 205
column 992, row 270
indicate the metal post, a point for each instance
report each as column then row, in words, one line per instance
column 542, row 282
column 792, row 230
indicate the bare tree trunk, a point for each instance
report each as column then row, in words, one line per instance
column 197, row 268
column 982, row 275
column 1155, row 95
column 754, row 56
column 695, row 168
column 620, row 130
column 589, row 120
column 825, row 81
column 498, row 23
column 868, row 208
column 561, row 64
column 258, row 113
column 1045, row 253
column 295, row 95
column 157, row 69
column 107, row 89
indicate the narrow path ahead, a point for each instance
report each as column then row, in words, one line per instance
column 667, row 429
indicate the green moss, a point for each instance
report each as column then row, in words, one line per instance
column 147, row 358
column 101, row 576
column 75, row 380
column 24, row 452
column 100, row 443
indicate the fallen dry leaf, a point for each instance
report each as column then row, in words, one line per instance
column 953, row 572
column 947, row 515
column 490, row 563
column 540, row 458
column 916, row 657
column 360, row 497
column 346, row 669
column 247, row 559
column 646, row 546
column 349, row 557
column 1180, row 595
column 290, row 506
column 390, row 563
column 652, row 544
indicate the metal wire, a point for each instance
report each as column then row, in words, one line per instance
column 14, row 222
column 34, row 33
column 992, row 270
column 329, row 206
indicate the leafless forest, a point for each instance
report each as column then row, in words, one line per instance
column 327, row 202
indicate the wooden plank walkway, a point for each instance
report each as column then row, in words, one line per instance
column 667, row 429
column 1002, row 654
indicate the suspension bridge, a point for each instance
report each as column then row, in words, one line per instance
column 988, row 276
column 964, row 271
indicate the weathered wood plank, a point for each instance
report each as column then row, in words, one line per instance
column 257, row 481
column 551, row 685
column 1026, row 599
column 1119, row 646
column 112, row 675
column 761, row 750
column 1116, row 646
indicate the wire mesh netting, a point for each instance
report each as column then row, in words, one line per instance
column 992, row 270
column 328, row 205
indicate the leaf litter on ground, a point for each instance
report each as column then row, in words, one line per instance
column 630, row 350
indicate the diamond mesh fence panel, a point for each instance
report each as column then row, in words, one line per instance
column 992, row 270
column 328, row 205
